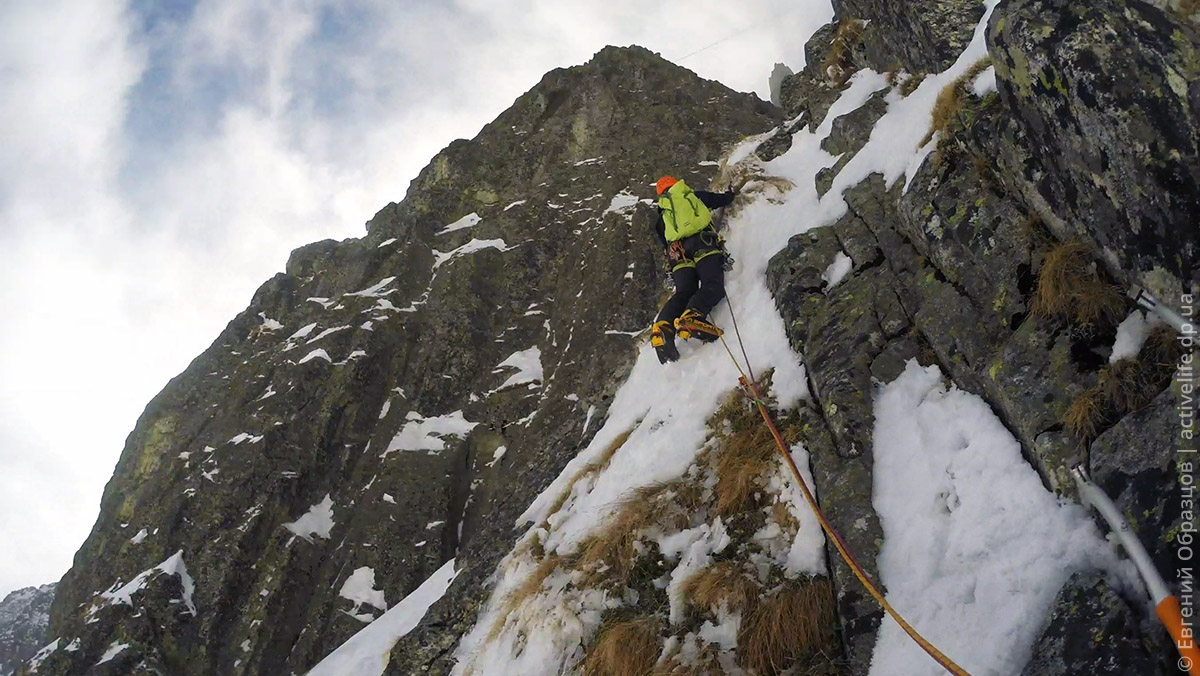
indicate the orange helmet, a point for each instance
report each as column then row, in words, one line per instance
column 664, row 184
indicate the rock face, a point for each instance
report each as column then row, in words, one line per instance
column 945, row 268
column 395, row 401
column 24, row 615
column 1090, row 632
column 1109, row 95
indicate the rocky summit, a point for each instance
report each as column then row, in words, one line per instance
column 24, row 615
column 454, row 423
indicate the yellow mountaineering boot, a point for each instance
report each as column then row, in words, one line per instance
column 692, row 324
column 662, row 337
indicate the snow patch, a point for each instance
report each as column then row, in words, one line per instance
column 497, row 456
column 123, row 595
column 317, row 521
column 304, row 330
column 425, row 434
column 974, row 547
column 622, row 203
column 837, row 270
column 1132, row 334
column 374, row 291
column 114, row 649
column 315, row 354
column 324, row 333
column 528, row 364
column 470, row 247
column 469, row 221
column 269, row 324
column 360, row 588
column 985, row 82
column 367, row 652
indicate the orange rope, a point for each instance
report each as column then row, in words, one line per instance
column 847, row 556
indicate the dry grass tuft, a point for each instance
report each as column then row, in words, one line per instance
column 1086, row 415
column 749, row 178
column 910, row 84
column 838, row 66
column 784, row 517
column 1188, row 10
column 1127, row 385
column 706, row 662
column 975, row 70
column 949, row 102
column 722, row 584
column 1069, row 288
column 597, row 465
column 795, row 623
column 625, row 648
column 612, row 550
column 951, row 99
column 1163, row 348
column 745, row 451
column 532, row 585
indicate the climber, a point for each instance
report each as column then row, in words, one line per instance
column 696, row 259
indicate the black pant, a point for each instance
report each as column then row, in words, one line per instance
column 699, row 288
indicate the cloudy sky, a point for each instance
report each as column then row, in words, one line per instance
column 160, row 158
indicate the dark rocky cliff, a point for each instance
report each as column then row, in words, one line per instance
column 262, row 430
column 24, row 615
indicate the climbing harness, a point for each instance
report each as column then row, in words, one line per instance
column 1166, row 606
column 751, row 390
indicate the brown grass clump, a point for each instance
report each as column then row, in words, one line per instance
column 626, row 648
column 1163, row 349
column 1086, row 415
column 951, row 99
column 707, row 662
column 794, row 624
column 1127, row 385
column 744, row 453
column 532, row 585
column 1069, row 288
column 949, row 102
column 722, row 584
column 784, row 517
column 909, row 85
column 837, row 66
column 612, row 549
column 749, row 178
column 597, row 465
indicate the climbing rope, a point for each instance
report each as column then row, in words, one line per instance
column 752, row 392
column 741, row 343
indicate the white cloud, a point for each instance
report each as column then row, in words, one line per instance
column 152, row 178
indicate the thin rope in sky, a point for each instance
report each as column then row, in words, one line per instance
column 734, row 35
